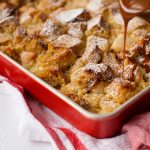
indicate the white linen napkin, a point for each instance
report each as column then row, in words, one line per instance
column 39, row 123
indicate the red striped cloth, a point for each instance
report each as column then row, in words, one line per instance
column 41, row 124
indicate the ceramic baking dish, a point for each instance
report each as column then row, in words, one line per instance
column 99, row 126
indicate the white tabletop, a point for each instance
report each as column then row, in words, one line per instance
column 9, row 135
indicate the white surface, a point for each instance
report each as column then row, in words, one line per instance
column 9, row 135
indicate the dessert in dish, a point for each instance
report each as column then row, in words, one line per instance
column 76, row 46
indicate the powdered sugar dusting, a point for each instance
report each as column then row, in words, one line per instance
column 48, row 28
column 93, row 50
column 51, row 30
column 66, row 41
column 92, row 56
column 102, row 71
column 96, row 68
column 129, row 72
column 118, row 19
column 76, row 29
column 94, row 5
column 94, row 41
column 136, row 22
column 93, row 22
column 69, row 15
column 97, row 6
column 5, row 15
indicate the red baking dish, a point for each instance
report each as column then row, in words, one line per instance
column 99, row 126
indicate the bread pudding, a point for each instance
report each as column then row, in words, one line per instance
column 76, row 46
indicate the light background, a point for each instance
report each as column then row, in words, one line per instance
column 9, row 135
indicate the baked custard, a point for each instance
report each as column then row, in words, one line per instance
column 76, row 46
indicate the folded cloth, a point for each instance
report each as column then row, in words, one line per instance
column 138, row 130
column 39, row 123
